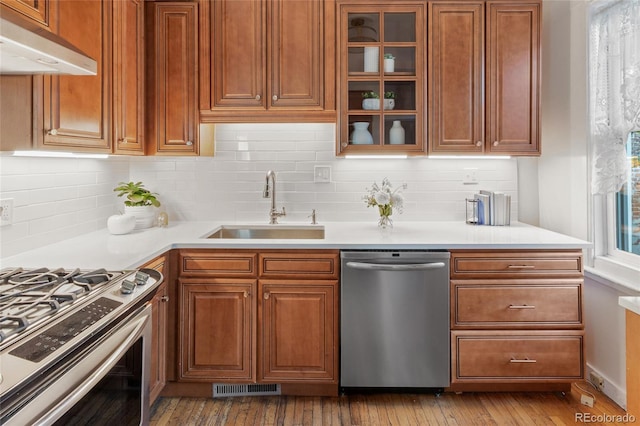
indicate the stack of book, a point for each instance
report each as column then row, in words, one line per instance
column 494, row 208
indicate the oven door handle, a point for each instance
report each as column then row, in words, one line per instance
column 395, row 267
column 125, row 334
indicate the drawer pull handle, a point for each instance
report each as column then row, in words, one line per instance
column 522, row 361
column 521, row 267
column 522, row 307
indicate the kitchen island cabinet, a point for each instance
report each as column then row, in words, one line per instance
column 250, row 316
column 266, row 61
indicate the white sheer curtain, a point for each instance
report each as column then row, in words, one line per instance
column 615, row 89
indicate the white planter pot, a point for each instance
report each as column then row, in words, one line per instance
column 371, row 103
column 121, row 224
column 389, row 103
column 389, row 65
column 145, row 215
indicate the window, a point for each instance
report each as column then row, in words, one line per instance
column 627, row 200
column 614, row 85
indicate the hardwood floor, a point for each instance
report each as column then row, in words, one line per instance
column 518, row 408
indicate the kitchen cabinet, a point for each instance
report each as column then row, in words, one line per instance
column 259, row 317
column 513, row 78
column 455, row 76
column 128, row 77
column 371, row 96
column 516, row 318
column 17, row 118
column 266, row 60
column 159, row 315
column 76, row 109
column 172, row 83
column 40, row 12
column 461, row 120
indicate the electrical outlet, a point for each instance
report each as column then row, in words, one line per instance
column 6, row 212
column 597, row 381
column 470, row 176
column 586, row 400
column 322, row 174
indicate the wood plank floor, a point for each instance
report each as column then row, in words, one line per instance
column 518, row 408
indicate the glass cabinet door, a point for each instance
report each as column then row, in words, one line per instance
column 381, row 69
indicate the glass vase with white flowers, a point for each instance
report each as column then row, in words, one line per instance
column 386, row 199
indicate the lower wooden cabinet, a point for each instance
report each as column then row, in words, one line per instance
column 159, row 319
column 298, row 323
column 273, row 324
column 482, row 356
column 217, row 330
column 516, row 319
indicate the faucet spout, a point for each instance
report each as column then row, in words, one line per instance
column 270, row 191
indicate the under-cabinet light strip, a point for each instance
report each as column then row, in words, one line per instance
column 376, row 157
column 56, row 154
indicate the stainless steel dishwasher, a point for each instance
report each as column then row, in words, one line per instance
column 394, row 320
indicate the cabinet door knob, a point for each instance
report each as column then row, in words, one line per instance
column 266, row 296
column 53, row 132
column 123, row 140
column 479, row 143
column 257, row 97
column 496, row 143
column 275, row 97
column 189, row 143
column 246, row 294
column 164, row 298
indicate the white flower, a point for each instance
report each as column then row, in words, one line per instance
column 397, row 200
column 382, row 198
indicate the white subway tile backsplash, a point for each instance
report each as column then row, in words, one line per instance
column 60, row 198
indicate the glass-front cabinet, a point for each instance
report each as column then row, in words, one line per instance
column 381, row 86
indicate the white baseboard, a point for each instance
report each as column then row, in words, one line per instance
column 616, row 393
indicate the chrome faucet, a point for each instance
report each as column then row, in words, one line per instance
column 270, row 191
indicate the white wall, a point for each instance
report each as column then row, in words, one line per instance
column 562, row 179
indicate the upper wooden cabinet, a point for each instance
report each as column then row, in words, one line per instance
column 76, row 109
column 513, row 77
column 172, row 83
column 34, row 11
column 380, row 99
column 456, row 69
column 484, row 101
column 266, row 60
column 128, row 77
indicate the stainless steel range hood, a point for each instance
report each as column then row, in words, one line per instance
column 38, row 51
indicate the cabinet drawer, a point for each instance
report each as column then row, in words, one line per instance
column 504, row 356
column 516, row 264
column 537, row 304
column 211, row 263
column 311, row 264
column 158, row 264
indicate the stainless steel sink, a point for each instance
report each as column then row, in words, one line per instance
column 284, row 232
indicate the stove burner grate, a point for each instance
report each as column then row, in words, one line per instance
column 29, row 296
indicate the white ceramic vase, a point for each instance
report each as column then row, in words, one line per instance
column 145, row 215
column 371, row 59
column 361, row 135
column 396, row 133
column 389, row 65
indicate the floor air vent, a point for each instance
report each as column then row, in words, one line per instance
column 224, row 389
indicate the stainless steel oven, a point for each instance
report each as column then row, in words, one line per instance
column 87, row 362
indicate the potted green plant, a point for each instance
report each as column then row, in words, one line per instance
column 140, row 203
column 370, row 100
column 389, row 62
column 389, row 100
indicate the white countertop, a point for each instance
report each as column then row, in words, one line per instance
column 631, row 303
column 100, row 249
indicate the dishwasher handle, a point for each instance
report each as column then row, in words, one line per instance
column 395, row 266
